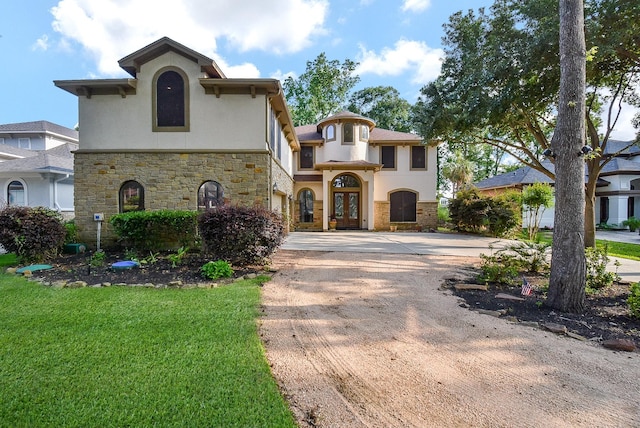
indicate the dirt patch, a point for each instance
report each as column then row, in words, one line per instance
column 375, row 340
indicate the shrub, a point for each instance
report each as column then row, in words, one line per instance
column 156, row 230
column 240, row 235
column 71, row 235
column 634, row 300
column 34, row 234
column 217, row 269
column 597, row 275
column 501, row 268
column 473, row 212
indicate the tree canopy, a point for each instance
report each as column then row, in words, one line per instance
column 500, row 81
column 323, row 89
column 384, row 105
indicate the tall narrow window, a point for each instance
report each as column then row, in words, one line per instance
column 131, row 197
column 418, row 157
column 388, row 157
column 364, row 133
column 16, row 193
column 347, row 133
column 306, row 206
column 210, row 195
column 306, row 157
column 171, row 102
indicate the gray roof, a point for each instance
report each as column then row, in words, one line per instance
column 58, row 160
column 311, row 133
column 15, row 152
column 615, row 146
column 620, row 166
column 521, row 176
column 38, row 127
column 528, row 175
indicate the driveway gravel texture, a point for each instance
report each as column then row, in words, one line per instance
column 374, row 340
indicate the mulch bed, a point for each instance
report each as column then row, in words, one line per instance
column 605, row 318
column 159, row 271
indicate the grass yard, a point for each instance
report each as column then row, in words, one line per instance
column 127, row 356
column 623, row 250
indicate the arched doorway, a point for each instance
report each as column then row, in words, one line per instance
column 345, row 197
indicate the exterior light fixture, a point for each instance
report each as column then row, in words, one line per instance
column 585, row 150
column 549, row 153
column 275, row 187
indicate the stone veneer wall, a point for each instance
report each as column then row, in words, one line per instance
column 170, row 181
column 318, row 213
column 426, row 216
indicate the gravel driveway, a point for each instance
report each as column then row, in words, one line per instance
column 370, row 340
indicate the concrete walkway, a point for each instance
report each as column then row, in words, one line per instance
column 433, row 244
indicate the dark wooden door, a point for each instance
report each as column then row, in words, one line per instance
column 346, row 209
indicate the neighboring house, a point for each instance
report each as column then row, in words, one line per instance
column 363, row 177
column 36, row 165
column 617, row 190
column 179, row 134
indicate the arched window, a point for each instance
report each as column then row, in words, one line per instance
column 210, row 195
column 170, row 102
column 346, row 180
column 330, row 133
column 131, row 197
column 16, row 193
column 364, row 133
column 403, row 206
column 305, row 197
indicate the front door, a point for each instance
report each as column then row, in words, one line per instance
column 346, row 209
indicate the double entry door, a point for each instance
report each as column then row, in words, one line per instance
column 346, row 209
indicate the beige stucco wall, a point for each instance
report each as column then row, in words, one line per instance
column 235, row 122
column 170, row 181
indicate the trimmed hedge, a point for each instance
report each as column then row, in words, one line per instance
column 241, row 235
column 156, row 230
column 34, row 234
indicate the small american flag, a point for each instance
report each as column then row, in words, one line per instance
column 526, row 287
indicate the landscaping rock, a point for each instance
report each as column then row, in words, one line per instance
column 11, row 270
column 505, row 296
column 496, row 314
column 76, row 284
column 555, row 328
column 625, row 345
column 577, row 336
column 478, row 287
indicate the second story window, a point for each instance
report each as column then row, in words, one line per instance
column 306, row 157
column 364, row 133
column 418, row 157
column 347, row 133
column 330, row 133
column 388, row 157
column 171, row 101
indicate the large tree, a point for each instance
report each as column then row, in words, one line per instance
column 323, row 89
column 500, row 81
column 384, row 105
column 568, row 271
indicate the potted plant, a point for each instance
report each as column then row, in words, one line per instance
column 632, row 223
column 333, row 223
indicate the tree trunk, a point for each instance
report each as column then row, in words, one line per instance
column 568, row 271
column 590, row 214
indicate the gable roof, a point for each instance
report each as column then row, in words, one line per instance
column 39, row 127
column 132, row 62
column 620, row 166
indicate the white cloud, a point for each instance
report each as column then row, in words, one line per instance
column 415, row 5
column 283, row 76
column 111, row 29
column 41, row 44
column 406, row 56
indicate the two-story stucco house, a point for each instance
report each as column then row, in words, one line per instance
column 363, row 177
column 36, row 165
column 179, row 134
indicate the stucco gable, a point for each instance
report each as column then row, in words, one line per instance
column 133, row 62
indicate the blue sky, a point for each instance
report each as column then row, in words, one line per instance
column 397, row 43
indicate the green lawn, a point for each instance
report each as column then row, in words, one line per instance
column 622, row 250
column 124, row 356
